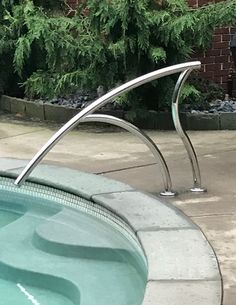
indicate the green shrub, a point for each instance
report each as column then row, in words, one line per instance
column 106, row 42
column 208, row 91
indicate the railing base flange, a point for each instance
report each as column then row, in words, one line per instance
column 168, row 194
column 198, row 190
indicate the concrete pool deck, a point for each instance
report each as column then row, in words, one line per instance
column 120, row 156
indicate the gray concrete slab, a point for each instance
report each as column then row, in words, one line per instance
column 17, row 106
column 34, row 110
column 194, row 259
column 58, row 113
column 203, row 122
column 8, row 164
column 69, row 179
column 221, row 230
column 8, row 131
column 145, row 212
column 170, row 293
column 5, row 104
column 228, row 120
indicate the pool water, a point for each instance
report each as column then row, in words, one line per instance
column 7, row 217
column 59, row 249
column 12, row 293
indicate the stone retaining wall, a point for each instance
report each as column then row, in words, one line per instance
column 153, row 120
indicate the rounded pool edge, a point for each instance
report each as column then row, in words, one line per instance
column 183, row 268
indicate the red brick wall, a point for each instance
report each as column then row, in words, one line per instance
column 197, row 3
column 73, row 3
column 216, row 62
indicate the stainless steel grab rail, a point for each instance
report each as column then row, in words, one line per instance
column 98, row 104
column 197, row 187
column 145, row 139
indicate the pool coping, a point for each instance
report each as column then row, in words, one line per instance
column 183, row 268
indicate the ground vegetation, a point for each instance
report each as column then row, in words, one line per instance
column 46, row 54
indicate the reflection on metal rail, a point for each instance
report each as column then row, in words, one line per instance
column 197, row 187
column 142, row 136
column 109, row 97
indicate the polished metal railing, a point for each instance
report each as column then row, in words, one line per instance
column 185, row 68
column 145, row 139
column 197, row 187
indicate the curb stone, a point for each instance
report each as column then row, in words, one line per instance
column 203, row 121
column 153, row 120
column 228, row 120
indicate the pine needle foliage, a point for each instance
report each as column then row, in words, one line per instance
column 107, row 42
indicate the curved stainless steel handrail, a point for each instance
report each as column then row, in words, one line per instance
column 145, row 139
column 197, row 187
column 97, row 104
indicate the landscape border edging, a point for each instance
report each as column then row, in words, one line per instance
column 153, row 120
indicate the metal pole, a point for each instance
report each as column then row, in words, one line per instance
column 145, row 139
column 96, row 105
column 197, row 187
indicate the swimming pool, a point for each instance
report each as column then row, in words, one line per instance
column 58, row 248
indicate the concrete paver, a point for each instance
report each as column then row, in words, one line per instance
column 221, row 231
column 171, row 292
column 193, row 257
column 122, row 157
column 143, row 211
column 68, row 179
column 9, row 130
